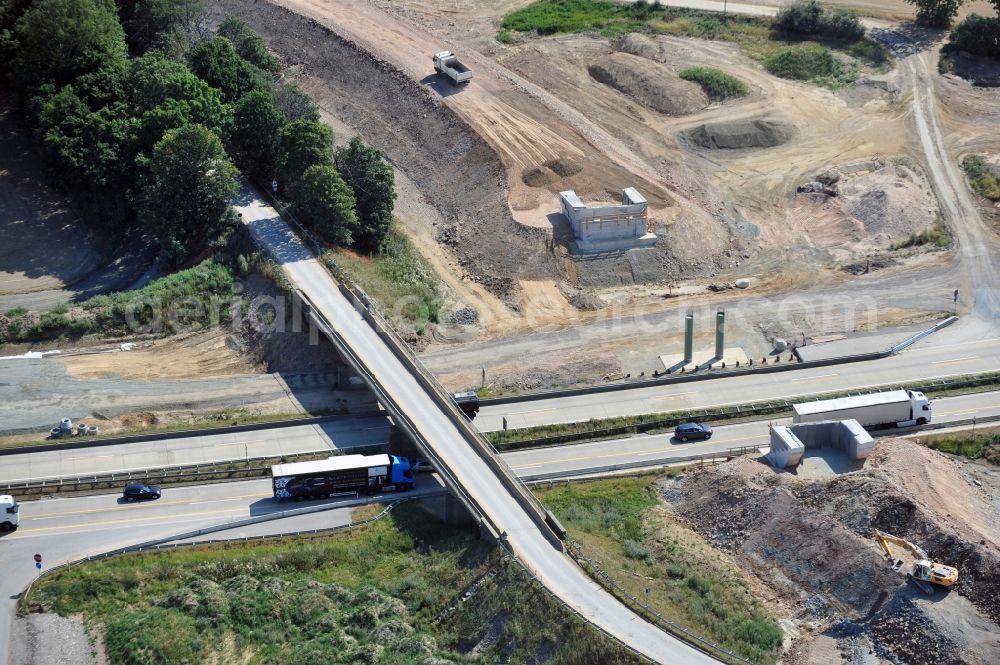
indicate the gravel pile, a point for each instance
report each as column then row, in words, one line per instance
column 465, row 316
column 740, row 134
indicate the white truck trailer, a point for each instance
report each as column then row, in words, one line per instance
column 10, row 515
column 446, row 62
column 895, row 408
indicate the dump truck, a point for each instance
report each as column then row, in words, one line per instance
column 924, row 573
column 341, row 474
column 894, row 408
column 446, row 62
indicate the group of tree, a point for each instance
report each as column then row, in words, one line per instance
column 141, row 114
column 810, row 18
column 976, row 34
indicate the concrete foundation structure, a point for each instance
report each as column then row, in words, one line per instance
column 788, row 444
column 607, row 228
column 704, row 359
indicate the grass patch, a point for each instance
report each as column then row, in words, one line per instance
column 399, row 279
column 388, row 593
column 190, row 299
column 809, row 62
column 620, row 524
column 982, row 178
column 936, row 236
column 985, row 445
column 717, row 84
column 758, row 36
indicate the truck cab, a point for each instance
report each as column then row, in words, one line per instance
column 921, row 407
column 402, row 473
column 10, row 513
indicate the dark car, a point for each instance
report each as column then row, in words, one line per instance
column 140, row 492
column 421, row 466
column 692, row 431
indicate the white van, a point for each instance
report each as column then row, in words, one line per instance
column 9, row 512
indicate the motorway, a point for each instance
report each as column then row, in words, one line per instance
column 368, row 431
column 63, row 529
column 340, row 434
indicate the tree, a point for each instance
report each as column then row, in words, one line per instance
column 294, row 103
column 324, row 201
column 86, row 152
column 301, row 144
column 936, row 13
column 153, row 79
column 802, row 17
column 59, row 40
column 256, row 124
column 187, row 185
column 216, row 62
column 168, row 25
column 249, row 44
column 366, row 171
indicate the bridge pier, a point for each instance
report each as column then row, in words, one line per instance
column 449, row 510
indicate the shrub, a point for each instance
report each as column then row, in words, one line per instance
column 808, row 17
column 550, row 17
column 936, row 236
column 979, row 35
column 982, row 179
column 802, row 63
column 716, row 83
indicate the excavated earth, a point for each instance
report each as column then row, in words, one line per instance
column 460, row 173
column 649, row 83
column 810, row 540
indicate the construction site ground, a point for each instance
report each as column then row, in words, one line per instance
column 807, row 538
column 534, row 121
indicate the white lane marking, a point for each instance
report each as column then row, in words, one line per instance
column 813, row 378
column 956, row 360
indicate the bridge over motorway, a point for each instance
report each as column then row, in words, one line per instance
column 504, row 508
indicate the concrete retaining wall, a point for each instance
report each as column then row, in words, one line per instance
column 788, row 444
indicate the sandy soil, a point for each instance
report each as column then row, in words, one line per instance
column 206, row 353
column 45, row 245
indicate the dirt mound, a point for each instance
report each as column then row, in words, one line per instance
column 540, row 176
column 649, row 83
column 639, row 44
column 891, row 203
column 810, row 540
column 762, row 133
column 564, row 168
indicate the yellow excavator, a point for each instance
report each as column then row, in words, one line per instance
column 925, row 572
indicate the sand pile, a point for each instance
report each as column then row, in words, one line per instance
column 740, row 134
column 649, row 83
column 639, row 44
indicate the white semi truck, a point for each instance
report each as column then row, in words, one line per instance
column 10, row 513
column 895, row 408
column 446, row 62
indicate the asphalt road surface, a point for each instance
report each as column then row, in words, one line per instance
column 339, row 434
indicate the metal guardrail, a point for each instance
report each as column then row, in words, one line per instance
column 906, row 343
column 658, row 462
